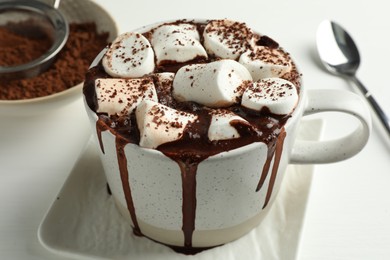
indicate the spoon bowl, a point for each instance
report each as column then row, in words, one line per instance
column 337, row 50
column 340, row 56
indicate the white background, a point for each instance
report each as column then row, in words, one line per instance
column 349, row 206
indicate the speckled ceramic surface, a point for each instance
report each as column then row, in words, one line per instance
column 84, row 222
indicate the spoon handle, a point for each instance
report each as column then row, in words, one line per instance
column 378, row 110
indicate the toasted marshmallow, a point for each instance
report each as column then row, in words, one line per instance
column 121, row 96
column 227, row 39
column 221, row 125
column 159, row 124
column 216, row 84
column 278, row 95
column 265, row 62
column 177, row 42
column 129, row 56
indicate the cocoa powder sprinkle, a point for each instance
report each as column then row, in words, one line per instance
column 17, row 48
column 68, row 70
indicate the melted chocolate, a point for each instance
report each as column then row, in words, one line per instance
column 278, row 155
column 122, row 161
column 108, row 189
column 188, row 176
column 194, row 147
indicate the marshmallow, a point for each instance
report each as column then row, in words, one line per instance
column 278, row 95
column 220, row 126
column 159, row 124
column 130, row 56
column 178, row 43
column 121, row 96
column 264, row 62
column 227, row 39
column 216, row 84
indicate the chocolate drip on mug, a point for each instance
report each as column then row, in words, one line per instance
column 188, row 160
column 275, row 167
column 188, row 176
column 120, row 143
column 265, row 171
column 122, row 161
column 101, row 126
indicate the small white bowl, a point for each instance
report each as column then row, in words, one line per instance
column 75, row 11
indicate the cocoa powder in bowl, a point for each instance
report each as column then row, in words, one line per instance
column 22, row 42
column 68, row 70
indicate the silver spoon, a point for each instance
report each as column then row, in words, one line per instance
column 340, row 56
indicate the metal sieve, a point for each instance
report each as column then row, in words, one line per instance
column 48, row 19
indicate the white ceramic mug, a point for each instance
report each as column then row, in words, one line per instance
column 228, row 201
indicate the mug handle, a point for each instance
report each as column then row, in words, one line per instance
column 317, row 152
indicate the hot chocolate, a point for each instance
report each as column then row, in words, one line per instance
column 192, row 90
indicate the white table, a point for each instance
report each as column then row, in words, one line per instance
column 349, row 206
